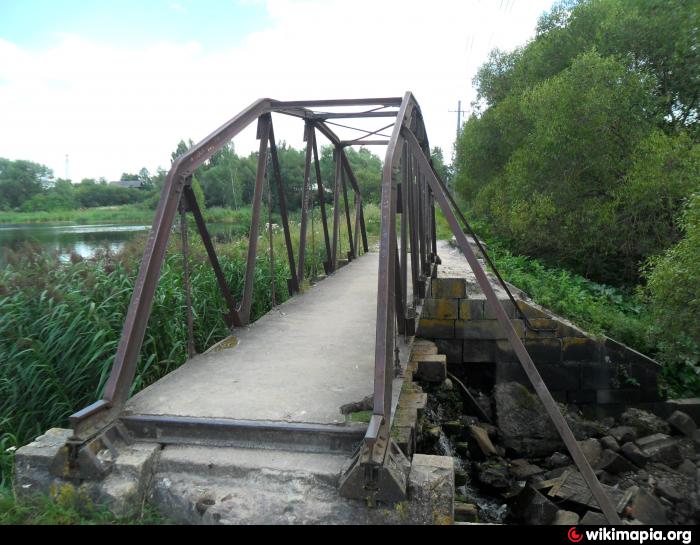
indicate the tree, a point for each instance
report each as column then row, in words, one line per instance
column 589, row 125
column 20, row 180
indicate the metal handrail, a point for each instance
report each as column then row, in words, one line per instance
column 177, row 190
column 408, row 141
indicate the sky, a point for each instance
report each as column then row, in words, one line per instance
column 95, row 88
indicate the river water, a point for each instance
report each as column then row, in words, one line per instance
column 67, row 238
column 86, row 239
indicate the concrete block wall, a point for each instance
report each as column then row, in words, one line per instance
column 577, row 367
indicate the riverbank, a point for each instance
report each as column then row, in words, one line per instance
column 128, row 213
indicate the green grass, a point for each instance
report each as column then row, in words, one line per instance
column 121, row 214
column 67, row 509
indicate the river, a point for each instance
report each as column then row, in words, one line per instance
column 85, row 240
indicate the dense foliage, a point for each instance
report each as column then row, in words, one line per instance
column 591, row 125
column 585, row 150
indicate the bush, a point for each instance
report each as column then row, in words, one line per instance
column 674, row 291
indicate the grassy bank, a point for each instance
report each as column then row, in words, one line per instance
column 129, row 213
column 118, row 214
column 67, row 510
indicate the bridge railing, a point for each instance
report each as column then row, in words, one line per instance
column 177, row 196
column 411, row 189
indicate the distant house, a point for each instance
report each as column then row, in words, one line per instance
column 131, row 184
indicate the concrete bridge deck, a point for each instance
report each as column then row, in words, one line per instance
column 292, row 369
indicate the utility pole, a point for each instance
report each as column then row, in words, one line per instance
column 459, row 112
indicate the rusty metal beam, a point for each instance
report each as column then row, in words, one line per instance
column 294, row 280
column 305, row 195
column 264, row 123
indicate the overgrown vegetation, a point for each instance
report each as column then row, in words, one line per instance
column 67, row 509
column 60, row 323
column 584, row 153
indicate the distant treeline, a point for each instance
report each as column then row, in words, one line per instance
column 227, row 180
column 584, row 152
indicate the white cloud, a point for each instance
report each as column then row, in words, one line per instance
column 117, row 108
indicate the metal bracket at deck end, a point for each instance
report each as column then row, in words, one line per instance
column 377, row 474
column 91, row 460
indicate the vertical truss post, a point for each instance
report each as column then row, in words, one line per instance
column 418, row 281
column 186, row 278
column 405, row 214
column 293, row 283
column 356, row 188
column 336, row 206
column 433, row 222
column 263, row 135
column 322, row 204
column 351, row 252
column 306, row 192
column 363, row 229
column 358, row 211
column 233, row 318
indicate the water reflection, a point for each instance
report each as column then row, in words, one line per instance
column 65, row 239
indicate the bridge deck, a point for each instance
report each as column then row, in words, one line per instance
column 297, row 364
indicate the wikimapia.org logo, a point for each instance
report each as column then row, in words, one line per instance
column 637, row 536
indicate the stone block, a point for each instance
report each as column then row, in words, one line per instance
column 482, row 440
column 661, row 448
column 541, row 351
column 440, row 309
column 623, row 434
column 448, row 288
column 431, row 488
column 32, row 463
column 436, row 329
column 510, row 371
column 613, row 463
column 535, row 508
column 597, row 376
column 530, row 311
column 634, row 454
column 479, row 329
column 567, row 329
column 432, row 368
column 544, row 350
column 507, row 305
column 683, row 423
column 647, row 509
column 690, row 406
column 478, row 351
column 548, row 328
column 471, row 309
column 451, row 348
column 580, row 349
column 565, row 518
column 592, row 450
column 560, row 376
column 466, row 512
